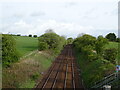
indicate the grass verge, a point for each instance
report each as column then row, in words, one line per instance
column 26, row 72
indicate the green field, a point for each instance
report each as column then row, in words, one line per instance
column 26, row 44
column 112, row 45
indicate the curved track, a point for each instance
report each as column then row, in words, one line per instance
column 63, row 73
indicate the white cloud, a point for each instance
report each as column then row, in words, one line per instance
column 68, row 29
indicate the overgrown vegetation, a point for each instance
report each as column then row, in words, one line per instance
column 27, row 72
column 9, row 52
column 95, row 60
column 51, row 41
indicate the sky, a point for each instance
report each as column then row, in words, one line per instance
column 65, row 17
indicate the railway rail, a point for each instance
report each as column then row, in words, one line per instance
column 63, row 73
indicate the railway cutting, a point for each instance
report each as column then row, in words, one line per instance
column 63, row 73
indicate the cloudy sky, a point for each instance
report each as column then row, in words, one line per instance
column 65, row 17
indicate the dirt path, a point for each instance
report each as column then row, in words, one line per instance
column 63, row 73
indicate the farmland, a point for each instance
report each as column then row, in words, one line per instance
column 26, row 44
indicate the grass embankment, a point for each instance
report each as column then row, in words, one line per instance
column 26, row 72
column 95, row 70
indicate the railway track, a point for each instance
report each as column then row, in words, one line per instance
column 63, row 73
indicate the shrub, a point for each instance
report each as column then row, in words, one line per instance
column 52, row 40
column 99, row 44
column 89, row 53
column 110, row 54
column 30, row 35
column 35, row 76
column 118, row 40
column 111, row 37
column 9, row 52
column 43, row 46
column 34, row 35
column 69, row 40
column 18, row 34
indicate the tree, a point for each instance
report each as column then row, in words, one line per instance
column 111, row 37
column 42, row 46
column 86, row 45
column 110, row 54
column 9, row 52
column 80, row 35
column 70, row 40
column 54, row 41
column 49, row 31
column 30, row 35
column 99, row 44
column 18, row 34
column 118, row 40
column 34, row 35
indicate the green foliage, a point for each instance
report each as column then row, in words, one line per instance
column 118, row 40
column 93, row 71
column 42, row 46
column 100, row 44
column 18, row 34
column 110, row 54
column 83, row 41
column 9, row 52
column 35, row 36
column 88, row 53
column 111, row 37
column 20, row 74
column 30, row 35
column 35, row 76
column 69, row 40
column 86, row 45
column 53, row 41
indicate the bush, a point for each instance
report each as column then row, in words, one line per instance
column 110, row 54
column 9, row 52
column 18, row 34
column 111, row 37
column 35, row 76
column 89, row 53
column 118, row 40
column 69, row 40
column 42, row 46
column 30, row 35
column 34, row 35
column 52, row 41
column 99, row 44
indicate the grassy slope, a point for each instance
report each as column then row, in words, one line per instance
column 25, row 73
column 25, row 44
column 96, row 70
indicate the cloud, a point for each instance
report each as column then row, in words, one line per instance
column 40, row 13
column 68, row 29
column 70, row 4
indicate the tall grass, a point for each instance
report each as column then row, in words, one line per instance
column 26, row 72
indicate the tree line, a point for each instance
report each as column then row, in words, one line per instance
column 93, row 48
column 90, row 46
